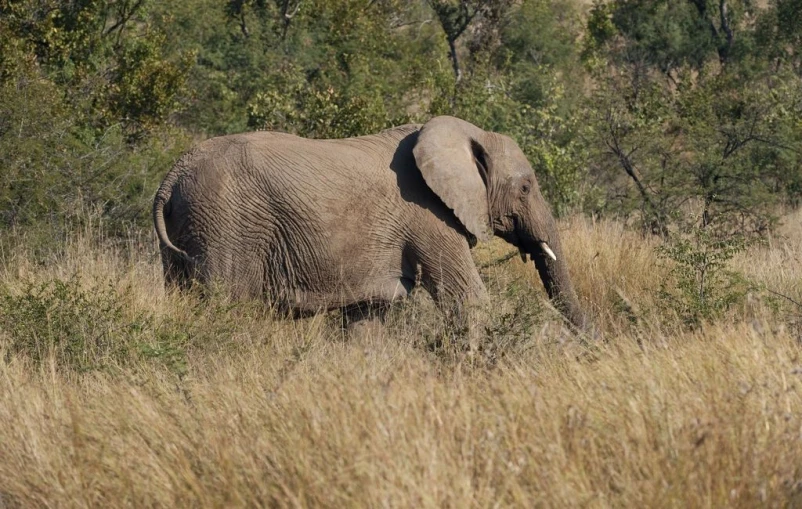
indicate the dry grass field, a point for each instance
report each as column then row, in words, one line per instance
column 114, row 394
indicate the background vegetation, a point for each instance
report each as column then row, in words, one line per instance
column 666, row 113
column 665, row 133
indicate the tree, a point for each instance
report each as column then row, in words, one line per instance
column 102, row 55
column 690, row 121
column 454, row 18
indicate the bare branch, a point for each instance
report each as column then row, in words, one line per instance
column 124, row 16
column 287, row 13
column 624, row 159
column 725, row 25
column 454, row 19
column 789, row 299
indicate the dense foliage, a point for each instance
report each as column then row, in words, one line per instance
column 672, row 114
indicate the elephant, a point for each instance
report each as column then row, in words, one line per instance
column 316, row 225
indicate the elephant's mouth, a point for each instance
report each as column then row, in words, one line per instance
column 528, row 245
column 541, row 249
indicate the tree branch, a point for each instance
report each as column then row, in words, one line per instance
column 657, row 223
column 125, row 15
column 286, row 16
column 725, row 25
column 454, row 19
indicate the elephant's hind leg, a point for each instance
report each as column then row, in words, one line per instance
column 364, row 314
column 178, row 272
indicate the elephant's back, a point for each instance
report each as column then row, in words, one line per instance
column 266, row 150
column 287, row 171
column 292, row 207
column 325, row 182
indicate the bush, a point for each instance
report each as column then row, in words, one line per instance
column 322, row 114
column 55, row 168
column 703, row 287
column 81, row 329
column 98, row 327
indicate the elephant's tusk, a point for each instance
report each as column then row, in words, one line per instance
column 545, row 247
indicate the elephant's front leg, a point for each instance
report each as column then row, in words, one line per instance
column 369, row 315
column 459, row 292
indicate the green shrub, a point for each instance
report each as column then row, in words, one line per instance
column 55, row 169
column 97, row 327
column 313, row 113
column 702, row 287
column 82, row 329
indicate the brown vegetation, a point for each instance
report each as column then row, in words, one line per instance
column 260, row 411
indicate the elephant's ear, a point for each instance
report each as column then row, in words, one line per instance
column 452, row 160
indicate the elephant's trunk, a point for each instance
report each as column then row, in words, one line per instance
column 554, row 274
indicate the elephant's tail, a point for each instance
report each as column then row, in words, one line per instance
column 162, row 206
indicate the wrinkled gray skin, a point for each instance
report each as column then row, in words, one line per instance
column 312, row 225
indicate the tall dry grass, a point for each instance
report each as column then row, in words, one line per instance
column 268, row 412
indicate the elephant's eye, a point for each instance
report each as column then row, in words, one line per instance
column 525, row 189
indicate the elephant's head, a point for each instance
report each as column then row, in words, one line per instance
column 487, row 181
